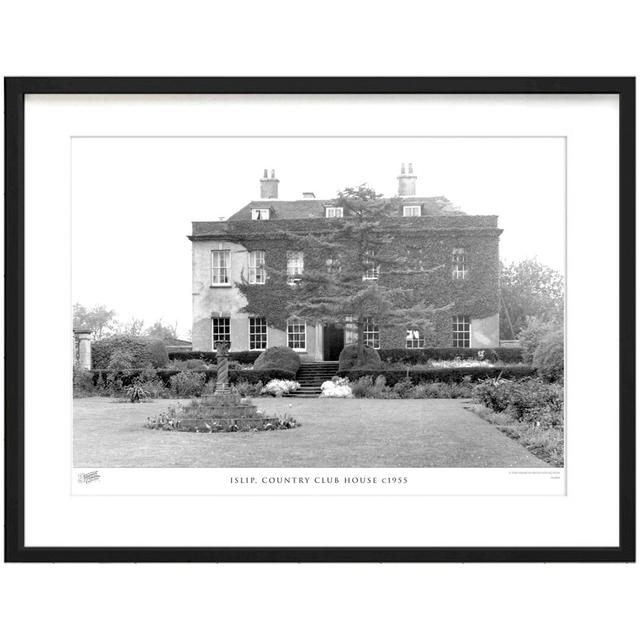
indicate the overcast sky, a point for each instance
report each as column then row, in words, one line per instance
column 133, row 200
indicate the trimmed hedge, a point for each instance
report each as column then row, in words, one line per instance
column 143, row 351
column 260, row 375
column 393, row 376
column 243, row 357
column 165, row 375
column 422, row 356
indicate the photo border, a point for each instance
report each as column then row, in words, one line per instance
column 15, row 91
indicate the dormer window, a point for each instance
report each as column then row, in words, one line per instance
column 411, row 210
column 260, row 214
column 334, row 212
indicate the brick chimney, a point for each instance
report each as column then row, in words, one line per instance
column 407, row 181
column 269, row 186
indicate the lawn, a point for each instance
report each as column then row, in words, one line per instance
column 334, row 433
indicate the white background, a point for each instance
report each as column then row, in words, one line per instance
column 586, row 516
column 463, row 38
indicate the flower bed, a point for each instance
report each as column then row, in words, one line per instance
column 450, row 374
column 279, row 388
column 126, row 377
column 458, row 363
column 217, row 414
column 336, row 388
column 422, row 356
column 530, row 411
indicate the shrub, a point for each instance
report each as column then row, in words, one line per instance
column 278, row 358
column 394, row 376
column 404, row 388
column 82, row 382
column 349, row 356
column 423, row 356
column 114, row 384
column 248, row 389
column 142, row 351
column 192, row 364
column 361, row 386
column 548, row 358
column 442, row 390
column 532, row 334
column 135, row 393
column 529, row 400
column 148, row 375
column 157, row 352
column 187, row 384
column 121, row 359
column 379, row 389
column 155, row 389
column 105, row 379
column 494, row 394
column 279, row 388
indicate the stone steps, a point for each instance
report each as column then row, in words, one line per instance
column 306, row 392
column 311, row 375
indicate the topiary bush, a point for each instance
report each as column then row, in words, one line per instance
column 349, row 356
column 548, row 358
column 278, row 358
column 142, row 352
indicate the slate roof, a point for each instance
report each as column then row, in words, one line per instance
column 312, row 208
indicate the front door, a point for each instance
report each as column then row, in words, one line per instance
column 333, row 341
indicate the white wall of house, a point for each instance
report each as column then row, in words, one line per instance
column 226, row 301
column 485, row 332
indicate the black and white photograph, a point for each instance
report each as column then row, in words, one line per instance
column 320, row 320
column 363, row 315
column 318, row 302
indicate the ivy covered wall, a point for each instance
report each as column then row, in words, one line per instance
column 427, row 242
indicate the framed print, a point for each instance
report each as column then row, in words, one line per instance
column 320, row 319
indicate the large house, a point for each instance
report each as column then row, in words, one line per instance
column 460, row 252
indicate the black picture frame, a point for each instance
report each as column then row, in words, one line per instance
column 15, row 91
